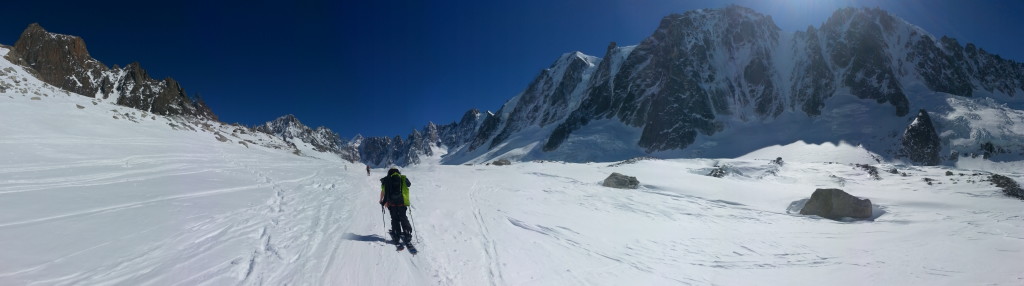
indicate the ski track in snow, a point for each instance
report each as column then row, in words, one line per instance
column 491, row 253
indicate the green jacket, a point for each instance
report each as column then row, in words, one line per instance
column 402, row 181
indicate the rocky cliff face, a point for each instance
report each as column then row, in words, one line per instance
column 63, row 61
column 674, row 84
column 459, row 133
column 547, row 100
column 703, row 65
column 60, row 60
column 861, row 45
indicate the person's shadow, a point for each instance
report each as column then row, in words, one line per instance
column 366, row 238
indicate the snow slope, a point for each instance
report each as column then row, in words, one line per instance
column 105, row 195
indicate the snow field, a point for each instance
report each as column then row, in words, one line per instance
column 89, row 199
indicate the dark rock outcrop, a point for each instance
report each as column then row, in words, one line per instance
column 620, row 181
column 1009, row 186
column 835, row 204
column 920, row 141
column 63, row 61
column 718, row 172
column 60, row 60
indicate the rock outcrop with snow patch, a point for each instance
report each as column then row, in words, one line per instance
column 63, row 61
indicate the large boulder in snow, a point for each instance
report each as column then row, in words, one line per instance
column 836, row 204
column 502, row 162
column 920, row 141
column 616, row 180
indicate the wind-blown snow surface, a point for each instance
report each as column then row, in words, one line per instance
column 92, row 200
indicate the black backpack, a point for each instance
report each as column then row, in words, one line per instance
column 393, row 190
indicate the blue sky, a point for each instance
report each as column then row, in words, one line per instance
column 384, row 68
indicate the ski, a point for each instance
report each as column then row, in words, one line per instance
column 412, row 249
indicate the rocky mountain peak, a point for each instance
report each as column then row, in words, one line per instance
column 861, row 16
column 64, row 61
column 56, row 58
column 287, row 126
column 322, row 139
column 35, row 39
column 470, row 116
column 737, row 25
column 290, row 119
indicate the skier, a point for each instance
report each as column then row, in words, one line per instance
column 367, row 170
column 394, row 194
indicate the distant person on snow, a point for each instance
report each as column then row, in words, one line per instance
column 394, row 194
column 367, row 170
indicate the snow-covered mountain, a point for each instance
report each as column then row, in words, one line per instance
column 706, row 83
column 322, row 139
column 432, row 141
column 723, row 82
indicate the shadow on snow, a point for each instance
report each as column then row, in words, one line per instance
column 366, row 238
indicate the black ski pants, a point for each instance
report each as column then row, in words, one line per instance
column 399, row 220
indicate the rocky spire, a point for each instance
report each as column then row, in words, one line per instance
column 920, row 142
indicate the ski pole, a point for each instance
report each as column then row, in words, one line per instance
column 415, row 230
column 383, row 221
